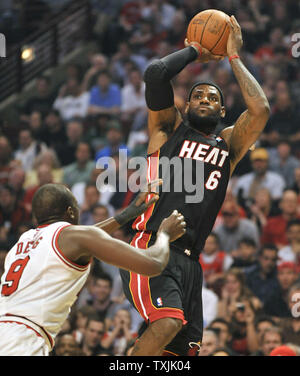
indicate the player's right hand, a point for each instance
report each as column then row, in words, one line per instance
column 174, row 226
column 206, row 55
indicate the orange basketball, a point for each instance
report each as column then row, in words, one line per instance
column 209, row 28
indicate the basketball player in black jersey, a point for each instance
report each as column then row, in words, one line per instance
column 171, row 304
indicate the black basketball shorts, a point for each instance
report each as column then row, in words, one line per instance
column 176, row 293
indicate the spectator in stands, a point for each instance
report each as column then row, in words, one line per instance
column 53, row 133
column 234, row 291
column 114, row 137
column 98, row 63
column 72, row 101
column 291, row 326
column 245, row 257
column 210, row 302
column 277, row 304
column 5, row 158
column 275, row 229
column 224, row 329
column 262, row 281
column 283, row 163
column 41, row 101
column 242, row 319
column 271, row 338
column 66, row 345
column 120, row 334
column 16, row 180
column 262, row 208
column 36, row 125
column 296, row 185
column 75, row 134
column 28, row 149
column 49, row 158
column 214, row 262
column 262, row 323
column 12, row 213
column 81, row 169
column 91, row 198
column 106, row 190
column 209, row 343
column 234, row 228
column 44, row 176
column 93, row 334
column 291, row 252
column 122, row 57
column 248, row 184
column 101, row 296
column 133, row 96
column 283, row 120
column 99, row 213
column 105, row 97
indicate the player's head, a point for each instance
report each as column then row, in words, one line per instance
column 205, row 106
column 53, row 203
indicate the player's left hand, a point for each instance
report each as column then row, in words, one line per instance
column 206, row 55
column 140, row 200
column 235, row 39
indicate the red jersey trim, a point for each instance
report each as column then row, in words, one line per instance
column 60, row 254
column 43, row 333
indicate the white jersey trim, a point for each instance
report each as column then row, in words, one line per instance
column 60, row 254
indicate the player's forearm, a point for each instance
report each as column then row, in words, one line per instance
column 159, row 93
column 255, row 99
column 160, row 251
column 109, row 225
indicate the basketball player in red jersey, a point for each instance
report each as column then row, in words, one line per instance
column 171, row 304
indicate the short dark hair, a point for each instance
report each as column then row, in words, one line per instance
column 248, row 241
column 293, row 222
column 263, row 318
column 51, row 202
column 267, row 246
column 105, row 277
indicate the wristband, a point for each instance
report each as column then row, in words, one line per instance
column 233, row 57
column 197, row 47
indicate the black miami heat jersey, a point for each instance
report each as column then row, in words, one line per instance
column 211, row 181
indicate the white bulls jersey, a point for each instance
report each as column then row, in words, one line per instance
column 39, row 284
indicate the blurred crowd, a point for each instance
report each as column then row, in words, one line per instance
column 251, row 260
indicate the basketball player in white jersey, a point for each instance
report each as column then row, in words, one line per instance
column 47, row 268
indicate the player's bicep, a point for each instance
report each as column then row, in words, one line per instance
column 244, row 134
column 91, row 241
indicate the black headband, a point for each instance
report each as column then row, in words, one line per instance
column 210, row 84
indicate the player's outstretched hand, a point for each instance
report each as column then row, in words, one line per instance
column 235, row 39
column 205, row 55
column 140, row 204
column 174, row 226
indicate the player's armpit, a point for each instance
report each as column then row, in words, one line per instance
column 161, row 125
column 243, row 135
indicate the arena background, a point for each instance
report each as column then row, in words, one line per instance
column 54, row 126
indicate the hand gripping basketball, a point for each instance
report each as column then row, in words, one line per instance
column 204, row 55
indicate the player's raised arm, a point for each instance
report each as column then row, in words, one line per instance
column 163, row 117
column 251, row 123
column 81, row 242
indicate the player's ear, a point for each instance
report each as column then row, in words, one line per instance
column 70, row 212
column 223, row 112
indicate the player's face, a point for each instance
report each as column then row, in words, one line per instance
column 204, row 110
